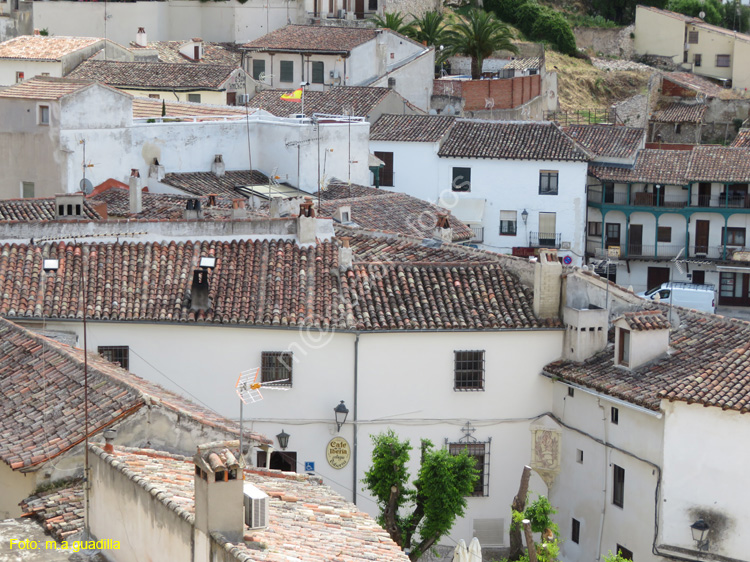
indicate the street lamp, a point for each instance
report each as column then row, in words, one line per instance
column 283, row 438
column 700, row 534
column 525, row 216
column 341, row 411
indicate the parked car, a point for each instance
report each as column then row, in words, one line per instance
column 689, row 295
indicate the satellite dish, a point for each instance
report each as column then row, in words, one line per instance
column 702, row 15
column 86, row 186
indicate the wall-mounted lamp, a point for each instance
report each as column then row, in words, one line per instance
column 700, row 534
column 341, row 411
column 207, row 262
column 283, row 439
column 525, row 216
column 50, row 264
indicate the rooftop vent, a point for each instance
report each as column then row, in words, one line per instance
column 69, row 206
column 199, row 299
column 256, row 507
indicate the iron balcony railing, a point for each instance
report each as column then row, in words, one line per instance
column 478, row 233
column 544, row 239
column 662, row 251
column 643, row 199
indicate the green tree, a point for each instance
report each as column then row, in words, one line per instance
column 551, row 26
column 430, row 28
column 713, row 9
column 478, row 36
column 436, row 498
column 395, row 21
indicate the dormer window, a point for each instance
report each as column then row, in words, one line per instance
column 623, row 353
column 640, row 337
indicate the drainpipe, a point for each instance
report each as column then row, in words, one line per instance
column 604, row 490
column 354, row 444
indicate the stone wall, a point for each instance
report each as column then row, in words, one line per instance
column 613, row 42
column 633, row 111
column 415, row 7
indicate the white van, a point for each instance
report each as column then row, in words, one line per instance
column 689, row 295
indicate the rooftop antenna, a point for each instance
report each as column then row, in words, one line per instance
column 248, row 389
column 85, row 185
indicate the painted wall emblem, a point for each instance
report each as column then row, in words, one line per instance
column 545, row 449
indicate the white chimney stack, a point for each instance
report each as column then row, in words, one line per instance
column 136, row 196
column 218, row 167
column 140, row 37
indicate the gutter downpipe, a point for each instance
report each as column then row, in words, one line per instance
column 354, row 445
column 604, row 490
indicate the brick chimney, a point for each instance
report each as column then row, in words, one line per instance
column 136, row 195
column 140, row 37
column 547, row 285
column 219, row 496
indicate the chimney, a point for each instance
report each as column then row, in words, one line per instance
column 136, row 196
column 109, row 436
column 306, row 223
column 585, row 332
column 69, row 206
column 218, row 167
column 547, row 285
column 199, row 299
column 391, row 83
column 193, row 210
column 345, row 253
column 443, row 230
column 219, row 494
column 238, row 208
column 211, row 200
column 140, row 37
column 36, row 32
column 156, row 170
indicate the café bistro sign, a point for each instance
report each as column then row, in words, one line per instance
column 338, row 452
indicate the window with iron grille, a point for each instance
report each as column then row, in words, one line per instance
column 697, row 59
column 693, row 37
column 722, row 61
column 318, row 72
column 508, row 222
column 618, row 487
column 195, row 98
column 481, row 454
column 595, row 228
column 277, row 366
column 548, row 182
column 286, row 71
column 468, row 370
column 119, row 354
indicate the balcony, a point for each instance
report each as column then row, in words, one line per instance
column 662, row 251
column 669, row 201
column 544, row 239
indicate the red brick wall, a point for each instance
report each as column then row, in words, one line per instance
column 507, row 93
column 669, row 88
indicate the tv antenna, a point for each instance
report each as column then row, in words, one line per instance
column 248, row 389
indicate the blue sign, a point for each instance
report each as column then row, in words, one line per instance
column 309, row 466
column 567, row 260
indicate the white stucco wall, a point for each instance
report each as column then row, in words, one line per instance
column 658, row 34
column 8, row 69
column 14, row 487
column 414, row 79
column 420, row 181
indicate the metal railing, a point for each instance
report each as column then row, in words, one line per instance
column 642, row 199
column 663, row 251
column 544, row 239
column 478, row 233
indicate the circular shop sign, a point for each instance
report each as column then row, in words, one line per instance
column 338, row 452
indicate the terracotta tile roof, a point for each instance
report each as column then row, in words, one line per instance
column 742, row 140
column 46, row 88
column 213, row 53
column 154, row 75
column 362, row 100
column 396, row 283
column 60, row 512
column 608, row 140
column 651, row 166
column 313, row 38
column 411, row 128
column 205, row 183
column 720, row 164
column 680, row 113
column 42, row 209
column 708, row 364
column 643, row 320
column 343, row 190
column 400, row 213
column 44, row 48
column 159, row 205
column 513, row 140
column 41, row 382
column 307, row 520
column 146, row 108
column 524, row 64
column 701, row 85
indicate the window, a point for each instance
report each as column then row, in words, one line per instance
column 119, row 354
column 386, row 171
column 154, row 96
column 19, row 77
column 595, row 228
column 735, row 236
column 481, row 454
column 624, row 552
column 286, row 71
column 259, row 67
column 276, row 366
column 318, row 76
column 571, row 391
column 461, row 179
column 624, row 352
column 618, row 485
column 697, row 59
column 575, row 534
column 508, row 223
column 614, row 415
column 195, row 98
column 279, row 460
column 468, row 370
column 27, row 189
column 693, row 37
column 547, row 182
column 664, row 234
column 43, row 115
column 722, row 61
column 579, row 456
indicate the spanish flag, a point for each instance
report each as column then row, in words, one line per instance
column 296, row 95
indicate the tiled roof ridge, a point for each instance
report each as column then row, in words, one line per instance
column 176, row 65
column 157, row 493
column 280, row 474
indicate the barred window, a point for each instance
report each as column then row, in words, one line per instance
column 259, row 67
column 468, row 370
column 693, row 37
column 548, row 182
column 722, row 61
column 277, row 366
column 481, row 454
column 119, row 354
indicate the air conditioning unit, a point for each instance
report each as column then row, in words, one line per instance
column 242, row 99
column 256, row 507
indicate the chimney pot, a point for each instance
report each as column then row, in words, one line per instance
column 135, row 194
column 140, row 37
column 345, row 241
column 36, row 32
column 134, row 173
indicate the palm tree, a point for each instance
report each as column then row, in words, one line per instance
column 429, row 29
column 478, row 36
column 395, row 22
